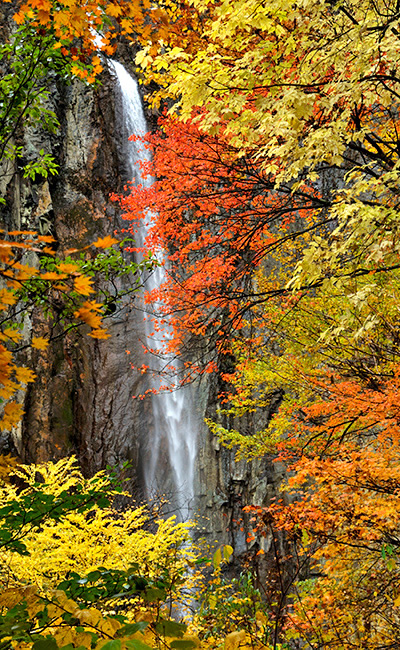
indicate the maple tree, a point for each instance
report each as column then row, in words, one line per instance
column 81, row 32
column 217, row 218
column 343, row 523
column 276, row 200
column 251, row 197
column 315, row 106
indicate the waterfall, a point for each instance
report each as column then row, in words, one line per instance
column 169, row 449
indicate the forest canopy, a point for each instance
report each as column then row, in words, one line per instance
column 276, row 203
column 276, row 196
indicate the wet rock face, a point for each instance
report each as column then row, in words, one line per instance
column 82, row 400
column 98, row 380
column 227, row 485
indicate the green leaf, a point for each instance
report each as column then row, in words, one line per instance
column 93, row 576
column 217, row 558
column 132, row 628
column 153, row 593
column 115, row 644
column 183, row 644
column 46, row 644
column 136, row 644
column 170, row 628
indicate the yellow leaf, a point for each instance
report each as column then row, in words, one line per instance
column 51, row 275
column 25, row 375
column 64, row 637
column 43, row 17
column 19, row 18
column 10, row 597
column 12, row 415
column 227, row 552
column 87, row 313
column 261, row 618
column 7, row 464
column 25, row 272
column 7, row 297
column 8, row 389
column 212, row 601
column 84, row 639
column 68, row 605
column 234, row 640
column 54, row 610
column 39, row 343
column 114, row 10
column 5, row 251
column 89, row 616
column 68, row 267
column 217, row 558
column 109, row 626
column 12, row 334
column 35, row 605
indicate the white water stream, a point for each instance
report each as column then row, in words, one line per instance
column 169, row 452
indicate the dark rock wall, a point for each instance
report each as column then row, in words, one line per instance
column 82, row 399
column 226, row 485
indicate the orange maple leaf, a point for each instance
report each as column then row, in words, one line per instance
column 11, row 334
column 7, row 298
column 12, row 415
column 52, row 275
column 105, row 242
column 24, row 375
column 99, row 334
column 68, row 267
column 39, row 343
column 82, row 284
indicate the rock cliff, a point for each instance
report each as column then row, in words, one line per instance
column 82, row 400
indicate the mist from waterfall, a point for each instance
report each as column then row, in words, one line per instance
column 168, row 455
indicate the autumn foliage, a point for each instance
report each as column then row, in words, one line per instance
column 218, row 218
column 55, row 282
column 70, row 559
column 275, row 207
column 276, row 203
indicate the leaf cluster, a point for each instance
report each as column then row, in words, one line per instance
column 89, row 609
column 70, row 292
column 277, row 205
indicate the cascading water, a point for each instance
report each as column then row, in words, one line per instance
column 168, row 455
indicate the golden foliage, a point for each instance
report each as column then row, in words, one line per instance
column 99, row 540
column 62, row 283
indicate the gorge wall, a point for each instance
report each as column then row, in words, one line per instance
column 81, row 402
